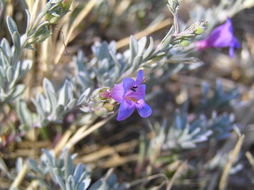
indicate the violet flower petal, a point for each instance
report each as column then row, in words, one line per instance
column 140, row 77
column 137, row 93
column 117, row 92
column 231, row 51
column 125, row 110
column 236, row 43
column 144, row 110
column 221, row 37
column 202, row 44
column 127, row 84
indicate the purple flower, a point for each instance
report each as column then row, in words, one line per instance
column 131, row 94
column 221, row 37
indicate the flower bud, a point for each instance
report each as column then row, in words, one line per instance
column 109, row 107
column 66, row 4
column 185, row 43
column 105, row 94
column 199, row 30
column 58, row 10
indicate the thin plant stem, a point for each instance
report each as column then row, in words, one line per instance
column 88, row 8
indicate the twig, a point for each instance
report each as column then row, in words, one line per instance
column 149, row 30
column 117, row 160
column 82, row 133
column 20, row 177
column 33, row 185
column 147, row 179
column 92, row 157
column 63, row 141
column 250, row 158
column 90, row 5
column 231, row 159
column 177, row 174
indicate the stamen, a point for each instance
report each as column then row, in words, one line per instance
column 132, row 99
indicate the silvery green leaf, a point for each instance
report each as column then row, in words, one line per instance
column 17, row 47
column 133, row 49
column 60, row 182
column 204, row 137
column 39, row 102
column 187, row 144
column 79, row 170
column 172, row 5
column 63, row 171
column 68, row 165
column 109, row 182
column 2, row 79
column 5, row 61
column 65, row 94
column 25, row 67
column 13, row 74
column 103, row 52
column 12, row 27
column 28, row 18
column 16, row 72
column 50, row 93
column 83, row 97
column 19, row 164
column 27, row 118
column 205, row 88
column 69, row 183
column 81, row 187
column 141, row 45
column 20, row 107
column 9, row 74
column 199, row 130
column 219, row 87
column 83, row 81
column 49, row 7
column 34, row 166
column 150, row 50
column 5, row 46
column 137, row 61
column 180, row 121
column 193, row 65
column 49, row 156
column 85, row 109
column 117, row 67
column 103, row 66
column 40, row 33
column 86, row 182
column 166, row 41
column 219, row 98
column 18, row 91
column 60, row 111
column 71, row 103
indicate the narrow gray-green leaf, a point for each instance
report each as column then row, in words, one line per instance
column 50, row 93
column 141, row 45
column 17, row 47
column 83, row 96
column 133, row 49
column 11, row 24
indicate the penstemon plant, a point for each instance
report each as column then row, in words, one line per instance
column 108, row 67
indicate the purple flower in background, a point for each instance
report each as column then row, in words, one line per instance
column 131, row 94
column 221, row 37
